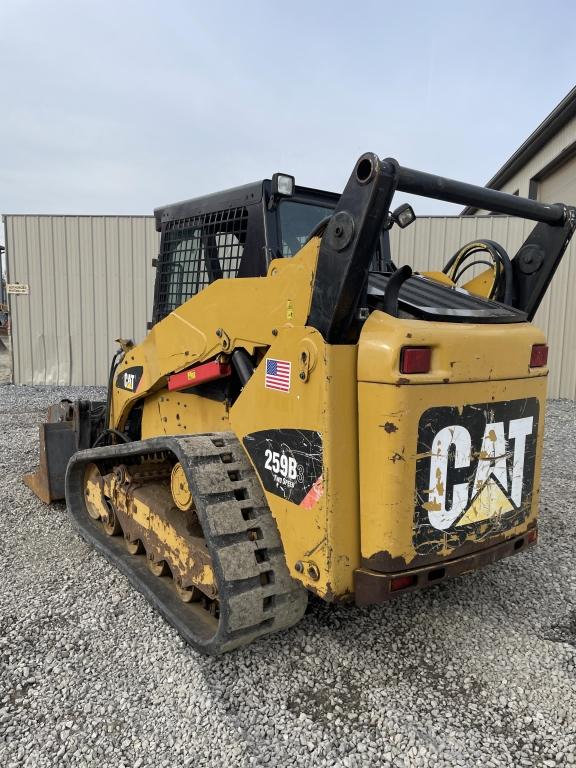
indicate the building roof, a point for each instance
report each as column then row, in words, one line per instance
column 556, row 120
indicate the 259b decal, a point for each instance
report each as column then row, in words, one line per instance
column 474, row 472
column 282, row 464
column 289, row 462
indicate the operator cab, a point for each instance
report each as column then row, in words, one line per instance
column 236, row 233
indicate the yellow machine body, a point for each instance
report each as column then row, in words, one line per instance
column 368, row 509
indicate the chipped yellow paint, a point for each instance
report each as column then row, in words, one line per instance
column 180, row 413
column 176, row 545
column 387, row 484
column 94, row 499
column 461, row 352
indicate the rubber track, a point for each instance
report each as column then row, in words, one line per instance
column 231, row 508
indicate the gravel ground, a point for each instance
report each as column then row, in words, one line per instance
column 480, row 671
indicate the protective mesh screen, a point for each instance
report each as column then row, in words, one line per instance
column 195, row 252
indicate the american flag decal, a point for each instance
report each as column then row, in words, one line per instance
column 277, row 374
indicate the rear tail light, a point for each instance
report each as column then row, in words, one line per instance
column 402, row 582
column 415, row 359
column 532, row 535
column 539, row 356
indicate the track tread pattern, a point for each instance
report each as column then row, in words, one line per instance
column 234, row 511
column 257, row 595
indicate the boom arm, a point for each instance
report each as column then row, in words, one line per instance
column 346, row 249
column 351, row 236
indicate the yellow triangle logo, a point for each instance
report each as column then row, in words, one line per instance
column 490, row 502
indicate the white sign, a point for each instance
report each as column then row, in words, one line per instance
column 18, row 288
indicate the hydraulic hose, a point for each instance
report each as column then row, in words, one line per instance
column 503, row 287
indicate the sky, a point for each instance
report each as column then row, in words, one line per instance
column 119, row 107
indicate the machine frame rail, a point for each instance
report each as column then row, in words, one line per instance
column 229, row 503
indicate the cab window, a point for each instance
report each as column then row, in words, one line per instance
column 297, row 220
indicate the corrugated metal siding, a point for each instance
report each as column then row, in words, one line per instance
column 91, row 281
column 429, row 242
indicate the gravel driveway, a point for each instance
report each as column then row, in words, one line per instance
column 480, row 671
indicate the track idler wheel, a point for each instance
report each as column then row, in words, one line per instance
column 180, row 489
column 98, row 505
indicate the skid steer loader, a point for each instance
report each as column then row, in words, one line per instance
column 305, row 417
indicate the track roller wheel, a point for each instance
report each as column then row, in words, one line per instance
column 133, row 547
column 158, row 568
column 110, row 523
column 186, row 594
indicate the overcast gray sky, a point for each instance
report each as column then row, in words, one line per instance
column 117, row 107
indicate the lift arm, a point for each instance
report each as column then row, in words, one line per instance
column 352, row 233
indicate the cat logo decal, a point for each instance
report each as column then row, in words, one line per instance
column 475, row 471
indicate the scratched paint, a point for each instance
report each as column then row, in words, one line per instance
column 474, row 472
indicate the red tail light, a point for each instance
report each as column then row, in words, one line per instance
column 539, row 356
column 415, row 359
column 402, row 582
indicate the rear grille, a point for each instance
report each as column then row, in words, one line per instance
column 195, row 252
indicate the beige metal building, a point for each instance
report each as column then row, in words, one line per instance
column 89, row 281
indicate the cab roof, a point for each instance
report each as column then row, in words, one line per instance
column 247, row 194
